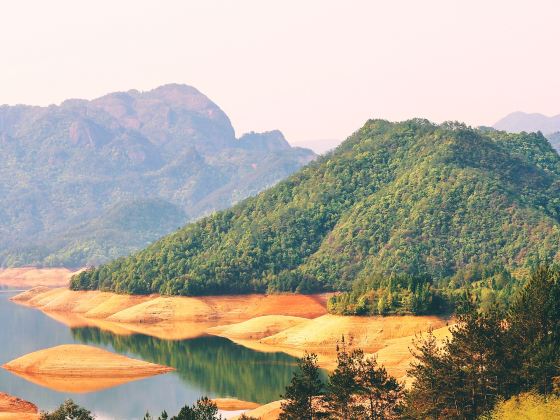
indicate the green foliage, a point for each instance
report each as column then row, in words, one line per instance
column 203, row 409
column 122, row 229
column 491, row 355
column 382, row 394
column 463, row 378
column 68, row 410
column 66, row 168
column 554, row 140
column 396, row 294
column 342, row 389
column 395, row 198
column 527, row 406
column 535, row 330
column 305, row 386
column 359, row 388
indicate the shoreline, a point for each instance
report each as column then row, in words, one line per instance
column 288, row 323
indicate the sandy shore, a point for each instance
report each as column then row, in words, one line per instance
column 79, row 368
column 269, row 411
column 165, row 317
column 233, row 404
column 13, row 408
column 388, row 338
column 289, row 323
column 26, row 277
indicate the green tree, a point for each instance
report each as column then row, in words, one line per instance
column 303, row 390
column 429, row 397
column 466, row 375
column 203, row 409
column 68, row 410
column 342, row 388
column 535, row 329
column 382, row 392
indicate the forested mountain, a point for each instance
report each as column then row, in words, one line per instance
column 122, row 229
column 66, row 168
column 395, row 199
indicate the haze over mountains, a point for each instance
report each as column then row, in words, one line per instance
column 87, row 181
column 517, row 122
column 409, row 198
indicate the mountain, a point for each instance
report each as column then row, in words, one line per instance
column 395, row 198
column 64, row 168
column 554, row 139
column 122, row 229
column 517, row 122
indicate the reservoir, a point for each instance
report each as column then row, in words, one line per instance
column 205, row 366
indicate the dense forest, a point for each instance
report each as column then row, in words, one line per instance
column 124, row 228
column 408, row 209
column 67, row 169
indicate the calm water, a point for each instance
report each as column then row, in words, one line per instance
column 211, row 366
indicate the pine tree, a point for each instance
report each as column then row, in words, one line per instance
column 535, row 329
column 203, row 409
column 342, row 388
column 304, row 388
column 382, row 392
column 430, row 396
column 466, row 375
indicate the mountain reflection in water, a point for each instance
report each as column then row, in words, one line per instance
column 206, row 365
column 216, row 365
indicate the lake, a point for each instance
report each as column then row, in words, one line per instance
column 207, row 365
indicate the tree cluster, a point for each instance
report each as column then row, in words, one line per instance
column 357, row 389
column 491, row 355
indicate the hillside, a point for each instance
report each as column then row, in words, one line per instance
column 121, row 229
column 410, row 198
column 66, row 170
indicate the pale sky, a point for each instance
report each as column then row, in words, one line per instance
column 315, row 69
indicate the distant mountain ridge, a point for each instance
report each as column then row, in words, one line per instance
column 516, row 122
column 411, row 198
column 64, row 166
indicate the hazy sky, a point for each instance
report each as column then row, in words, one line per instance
column 313, row 69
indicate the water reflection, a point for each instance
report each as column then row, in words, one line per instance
column 207, row 365
column 213, row 364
